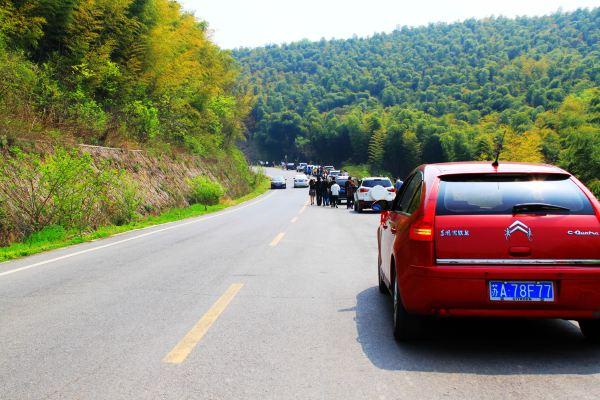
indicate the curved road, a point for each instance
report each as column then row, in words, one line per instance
column 267, row 300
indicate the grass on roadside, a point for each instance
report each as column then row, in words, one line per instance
column 54, row 237
column 357, row 171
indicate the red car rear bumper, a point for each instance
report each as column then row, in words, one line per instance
column 463, row 291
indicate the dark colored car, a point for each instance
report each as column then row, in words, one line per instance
column 278, row 182
column 482, row 240
column 341, row 180
column 290, row 166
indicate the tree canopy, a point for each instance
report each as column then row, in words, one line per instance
column 114, row 71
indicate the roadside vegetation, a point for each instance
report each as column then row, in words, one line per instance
column 124, row 74
column 443, row 92
column 357, row 171
column 53, row 236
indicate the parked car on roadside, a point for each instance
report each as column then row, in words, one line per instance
column 301, row 167
column 278, row 182
column 373, row 189
column 334, row 173
column 300, row 181
column 290, row 166
column 341, row 180
column 478, row 240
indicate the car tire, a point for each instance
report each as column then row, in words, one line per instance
column 406, row 326
column 590, row 329
column 358, row 207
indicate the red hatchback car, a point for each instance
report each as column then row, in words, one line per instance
column 475, row 239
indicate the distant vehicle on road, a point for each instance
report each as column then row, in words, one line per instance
column 300, row 181
column 278, row 182
column 301, row 167
column 290, row 166
column 328, row 168
column 373, row 189
column 334, row 173
column 473, row 239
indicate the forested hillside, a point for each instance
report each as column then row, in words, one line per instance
column 125, row 74
column 435, row 93
column 116, row 72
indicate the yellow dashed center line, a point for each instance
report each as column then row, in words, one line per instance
column 191, row 339
column 294, row 220
column 277, row 239
column 302, row 209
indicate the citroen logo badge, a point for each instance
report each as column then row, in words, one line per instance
column 518, row 226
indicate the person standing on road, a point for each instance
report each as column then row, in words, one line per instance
column 349, row 186
column 312, row 191
column 318, row 191
column 335, row 193
column 325, row 191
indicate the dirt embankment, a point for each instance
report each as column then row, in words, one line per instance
column 163, row 180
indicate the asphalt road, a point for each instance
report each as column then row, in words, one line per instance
column 268, row 300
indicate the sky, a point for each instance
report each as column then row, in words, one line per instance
column 253, row 23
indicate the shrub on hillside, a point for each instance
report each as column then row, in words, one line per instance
column 204, row 191
column 125, row 200
column 65, row 188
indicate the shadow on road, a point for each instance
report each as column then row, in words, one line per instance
column 479, row 346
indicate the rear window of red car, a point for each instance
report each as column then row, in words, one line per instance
column 499, row 193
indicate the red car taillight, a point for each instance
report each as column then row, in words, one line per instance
column 363, row 190
column 393, row 190
column 421, row 231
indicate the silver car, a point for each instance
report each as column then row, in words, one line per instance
column 300, row 181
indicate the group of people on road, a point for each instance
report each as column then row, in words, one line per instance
column 326, row 191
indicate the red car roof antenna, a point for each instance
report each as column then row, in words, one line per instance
column 499, row 150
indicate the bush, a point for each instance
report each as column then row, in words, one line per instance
column 143, row 120
column 86, row 112
column 204, row 191
column 125, row 202
column 65, row 188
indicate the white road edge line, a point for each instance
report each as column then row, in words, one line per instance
column 178, row 225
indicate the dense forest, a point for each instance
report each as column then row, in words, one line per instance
column 437, row 93
column 116, row 72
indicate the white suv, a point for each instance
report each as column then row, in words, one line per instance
column 373, row 189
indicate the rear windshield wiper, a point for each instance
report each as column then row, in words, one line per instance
column 537, row 207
